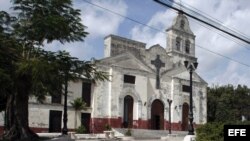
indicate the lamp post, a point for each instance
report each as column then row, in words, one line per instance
column 169, row 105
column 65, row 115
column 191, row 67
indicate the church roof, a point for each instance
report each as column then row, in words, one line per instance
column 179, row 71
column 126, row 60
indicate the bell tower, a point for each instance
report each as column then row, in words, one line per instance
column 181, row 40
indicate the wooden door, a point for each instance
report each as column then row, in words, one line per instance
column 128, row 112
column 185, row 110
column 157, row 115
column 55, row 121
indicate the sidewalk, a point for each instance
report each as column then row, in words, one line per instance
column 67, row 138
column 61, row 138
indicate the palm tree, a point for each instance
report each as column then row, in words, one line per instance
column 78, row 104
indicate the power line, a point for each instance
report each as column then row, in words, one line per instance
column 223, row 35
column 219, row 23
column 216, row 53
column 214, row 24
column 121, row 15
column 212, row 29
column 197, row 11
column 138, row 22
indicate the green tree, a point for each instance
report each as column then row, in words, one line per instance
column 7, row 57
column 28, row 70
column 228, row 103
column 78, row 104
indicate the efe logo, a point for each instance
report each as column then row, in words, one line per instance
column 236, row 132
column 241, row 132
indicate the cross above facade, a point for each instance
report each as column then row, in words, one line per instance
column 158, row 64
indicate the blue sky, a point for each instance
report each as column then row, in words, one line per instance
column 213, row 68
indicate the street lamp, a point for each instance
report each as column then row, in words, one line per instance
column 65, row 109
column 191, row 67
column 169, row 105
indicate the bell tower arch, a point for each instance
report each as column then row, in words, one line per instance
column 181, row 40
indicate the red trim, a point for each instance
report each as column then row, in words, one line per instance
column 97, row 125
column 1, row 130
column 39, row 130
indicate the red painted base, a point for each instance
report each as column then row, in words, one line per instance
column 1, row 130
column 97, row 125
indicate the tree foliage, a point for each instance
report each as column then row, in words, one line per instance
column 214, row 131
column 78, row 104
column 228, row 103
column 8, row 56
column 26, row 69
column 48, row 20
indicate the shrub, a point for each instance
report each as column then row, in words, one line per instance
column 107, row 127
column 81, row 129
column 214, row 131
column 210, row 132
column 128, row 133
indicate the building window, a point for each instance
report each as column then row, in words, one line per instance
column 56, row 98
column 185, row 88
column 129, row 79
column 86, row 93
column 187, row 46
column 178, row 43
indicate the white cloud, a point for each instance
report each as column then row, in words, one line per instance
column 101, row 22
column 216, row 69
column 5, row 5
column 161, row 20
column 81, row 50
column 232, row 75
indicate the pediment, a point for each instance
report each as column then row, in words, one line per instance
column 182, row 73
column 126, row 61
column 186, row 75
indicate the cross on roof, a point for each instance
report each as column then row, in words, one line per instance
column 158, row 64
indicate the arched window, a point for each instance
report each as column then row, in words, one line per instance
column 178, row 43
column 187, row 46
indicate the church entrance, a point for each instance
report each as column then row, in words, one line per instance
column 55, row 119
column 157, row 115
column 128, row 112
column 185, row 110
column 85, row 121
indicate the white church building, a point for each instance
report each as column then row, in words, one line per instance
column 142, row 82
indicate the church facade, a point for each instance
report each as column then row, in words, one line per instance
column 147, row 88
column 148, row 85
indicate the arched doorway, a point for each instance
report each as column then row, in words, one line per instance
column 128, row 112
column 157, row 115
column 185, row 110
